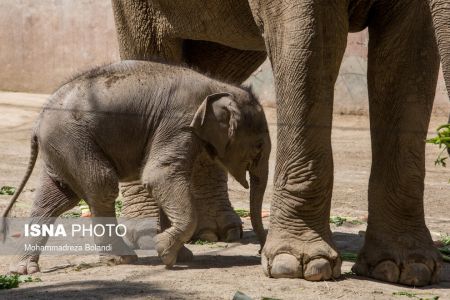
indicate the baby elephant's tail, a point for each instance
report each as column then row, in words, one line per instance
column 31, row 163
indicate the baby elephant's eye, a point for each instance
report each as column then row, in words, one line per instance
column 259, row 145
column 257, row 149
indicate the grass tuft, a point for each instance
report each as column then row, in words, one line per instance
column 243, row 213
column 202, row 242
column 7, row 190
column 13, row 281
column 442, row 139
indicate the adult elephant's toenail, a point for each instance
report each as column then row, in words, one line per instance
column 415, row 274
column 360, row 268
column 208, row 236
column 386, row 271
column 318, row 269
column 286, row 266
column 33, row 268
column 21, row 269
column 233, row 235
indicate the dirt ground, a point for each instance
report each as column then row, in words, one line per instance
column 219, row 270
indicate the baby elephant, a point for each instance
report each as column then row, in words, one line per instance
column 145, row 121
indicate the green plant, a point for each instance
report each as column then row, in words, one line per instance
column 349, row 273
column 13, row 281
column 118, row 206
column 202, row 242
column 9, row 281
column 442, row 139
column 71, row 214
column 445, row 249
column 405, row 293
column 83, row 206
column 356, row 222
column 243, row 213
column 7, row 190
column 338, row 221
column 445, row 252
column 349, row 256
column 414, row 295
column 445, row 239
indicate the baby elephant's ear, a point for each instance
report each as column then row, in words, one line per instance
column 215, row 120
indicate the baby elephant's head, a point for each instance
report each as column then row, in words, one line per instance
column 235, row 131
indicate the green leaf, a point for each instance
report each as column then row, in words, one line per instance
column 7, row 190
column 405, row 293
column 442, row 139
column 202, row 242
column 445, row 239
column 118, row 206
column 243, row 213
column 338, row 221
column 9, row 281
column 25, row 278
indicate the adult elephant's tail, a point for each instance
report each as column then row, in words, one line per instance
column 440, row 11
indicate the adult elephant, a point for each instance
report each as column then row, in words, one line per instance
column 305, row 41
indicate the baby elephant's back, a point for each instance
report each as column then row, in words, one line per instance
column 115, row 109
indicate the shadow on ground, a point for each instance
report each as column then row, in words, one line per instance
column 91, row 289
column 207, row 261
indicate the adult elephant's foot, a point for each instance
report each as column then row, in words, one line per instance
column 224, row 225
column 305, row 255
column 217, row 219
column 26, row 265
column 408, row 258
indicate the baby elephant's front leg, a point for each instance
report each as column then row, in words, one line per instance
column 170, row 187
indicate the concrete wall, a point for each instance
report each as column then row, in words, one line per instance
column 43, row 42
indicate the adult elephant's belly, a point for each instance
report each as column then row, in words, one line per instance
column 204, row 20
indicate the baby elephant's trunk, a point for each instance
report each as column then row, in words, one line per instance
column 258, row 183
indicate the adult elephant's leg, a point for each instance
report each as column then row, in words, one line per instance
column 139, row 32
column 402, row 74
column 306, row 44
column 138, row 203
column 217, row 219
column 139, row 39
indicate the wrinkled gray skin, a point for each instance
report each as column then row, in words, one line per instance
column 305, row 41
column 149, row 122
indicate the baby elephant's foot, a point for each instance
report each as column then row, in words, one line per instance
column 409, row 258
column 168, row 248
column 289, row 257
column 26, row 265
column 113, row 260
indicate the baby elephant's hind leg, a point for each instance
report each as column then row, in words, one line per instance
column 50, row 201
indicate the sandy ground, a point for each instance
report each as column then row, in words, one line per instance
column 219, row 270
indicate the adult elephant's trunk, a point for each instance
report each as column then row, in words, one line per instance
column 440, row 10
column 258, row 182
